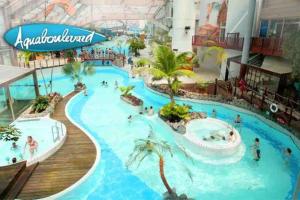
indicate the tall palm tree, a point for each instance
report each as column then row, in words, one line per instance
column 152, row 146
column 76, row 70
column 168, row 65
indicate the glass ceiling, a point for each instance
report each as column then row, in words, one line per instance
column 98, row 13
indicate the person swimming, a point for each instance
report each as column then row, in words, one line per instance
column 287, row 155
column 116, row 85
column 238, row 119
column 214, row 113
column 129, row 118
column 103, row 83
column 145, row 110
column 151, row 111
column 257, row 155
column 14, row 160
column 255, row 149
column 14, row 146
column 33, row 145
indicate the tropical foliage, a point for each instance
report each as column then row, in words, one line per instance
column 291, row 49
column 142, row 62
column 26, row 55
column 69, row 55
column 175, row 112
column 76, row 70
column 169, row 66
column 135, row 44
column 126, row 90
column 9, row 133
column 40, row 104
column 219, row 52
column 151, row 146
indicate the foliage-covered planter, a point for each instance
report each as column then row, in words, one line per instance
column 132, row 100
column 79, row 87
column 54, row 98
column 178, row 116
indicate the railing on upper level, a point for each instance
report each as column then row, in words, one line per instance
column 265, row 46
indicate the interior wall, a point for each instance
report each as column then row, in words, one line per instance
column 210, row 64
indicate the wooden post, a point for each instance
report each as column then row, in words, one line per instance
column 263, row 99
column 290, row 116
column 251, row 99
column 216, row 87
column 235, row 86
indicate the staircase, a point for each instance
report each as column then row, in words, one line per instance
column 13, row 178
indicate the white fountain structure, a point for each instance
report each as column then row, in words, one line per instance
column 217, row 150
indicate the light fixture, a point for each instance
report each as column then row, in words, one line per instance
column 187, row 28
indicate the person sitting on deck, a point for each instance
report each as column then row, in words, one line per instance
column 32, row 144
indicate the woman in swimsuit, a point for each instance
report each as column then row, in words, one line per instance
column 33, row 145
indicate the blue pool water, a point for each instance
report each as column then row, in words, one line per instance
column 104, row 116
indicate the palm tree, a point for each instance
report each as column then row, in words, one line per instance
column 167, row 65
column 220, row 53
column 77, row 69
column 152, row 146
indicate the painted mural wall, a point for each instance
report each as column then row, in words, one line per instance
column 212, row 17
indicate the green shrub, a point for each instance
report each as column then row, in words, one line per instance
column 175, row 112
column 126, row 90
column 9, row 133
column 40, row 104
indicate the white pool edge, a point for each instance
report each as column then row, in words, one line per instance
column 97, row 160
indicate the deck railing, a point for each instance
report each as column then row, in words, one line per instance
column 266, row 46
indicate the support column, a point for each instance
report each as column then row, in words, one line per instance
column 36, row 84
column 247, row 37
column 183, row 25
column 10, row 103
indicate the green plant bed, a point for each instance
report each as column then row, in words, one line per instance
column 177, row 116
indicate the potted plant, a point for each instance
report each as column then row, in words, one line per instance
column 128, row 97
column 76, row 70
column 40, row 104
column 9, row 133
column 135, row 44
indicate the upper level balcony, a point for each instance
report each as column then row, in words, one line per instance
column 265, row 46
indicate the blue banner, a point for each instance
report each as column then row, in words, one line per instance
column 43, row 37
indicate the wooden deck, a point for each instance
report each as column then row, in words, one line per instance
column 66, row 166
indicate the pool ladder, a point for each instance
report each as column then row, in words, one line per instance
column 57, row 131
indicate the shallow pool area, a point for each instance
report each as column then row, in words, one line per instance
column 48, row 133
column 104, row 117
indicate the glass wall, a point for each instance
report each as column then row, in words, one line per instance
column 22, row 93
column 5, row 112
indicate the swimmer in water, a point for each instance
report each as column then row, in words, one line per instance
column 32, row 144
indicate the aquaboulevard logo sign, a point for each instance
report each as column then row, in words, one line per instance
column 43, row 37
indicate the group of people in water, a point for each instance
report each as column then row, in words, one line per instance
column 287, row 152
column 32, row 148
column 256, row 152
column 145, row 110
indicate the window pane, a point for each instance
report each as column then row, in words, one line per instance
column 5, row 113
column 22, row 93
